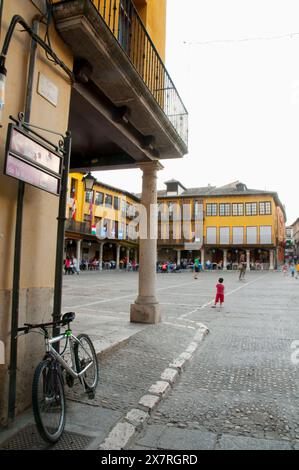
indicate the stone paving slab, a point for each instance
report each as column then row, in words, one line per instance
column 228, row 442
column 186, row 439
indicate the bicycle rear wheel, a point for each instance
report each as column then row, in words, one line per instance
column 48, row 401
column 84, row 355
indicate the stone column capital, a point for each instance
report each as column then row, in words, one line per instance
column 151, row 167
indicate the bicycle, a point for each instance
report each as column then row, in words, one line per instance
column 48, row 394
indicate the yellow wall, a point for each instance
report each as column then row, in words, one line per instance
column 39, row 205
column 40, row 212
column 102, row 211
column 153, row 15
column 275, row 220
column 241, row 221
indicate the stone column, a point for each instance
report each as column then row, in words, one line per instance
column 146, row 307
column 248, row 259
column 271, row 260
column 178, row 262
column 225, row 258
column 128, row 256
column 277, row 258
column 202, row 258
column 78, row 255
column 79, row 243
column 117, row 256
column 101, row 256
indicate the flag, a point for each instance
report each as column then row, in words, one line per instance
column 91, row 208
column 74, row 209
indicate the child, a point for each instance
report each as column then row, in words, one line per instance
column 220, row 293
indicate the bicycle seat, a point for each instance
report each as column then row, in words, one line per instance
column 68, row 317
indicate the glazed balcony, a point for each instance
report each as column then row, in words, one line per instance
column 125, row 66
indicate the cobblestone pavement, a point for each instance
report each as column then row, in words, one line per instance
column 241, row 390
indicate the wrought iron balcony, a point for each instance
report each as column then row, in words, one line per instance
column 78, row 227
column 120, row 18
column 123, row 20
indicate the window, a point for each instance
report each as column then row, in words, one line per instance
column 224, row 235
column 123, row 208
column 211, row 235
column 211, row 209
column 251, row 235
column 186, row 210
column 73, row 188
column 238, row 209
column 112, row 229
column 224, row 209
column 131, row 211
column 238, row 235
column 105, row 228
column 265, row 208
column 251, row 208
column 99, row 199
column 198, row 210
column 121, row 231
column 266, row 235
column 116, row 203
column 108, row 200
column 89, row 196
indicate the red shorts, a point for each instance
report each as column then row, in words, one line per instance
column 219, row 297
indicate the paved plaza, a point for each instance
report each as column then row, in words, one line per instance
column 238, row 387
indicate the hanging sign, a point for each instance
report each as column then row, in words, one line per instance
column 32, row 161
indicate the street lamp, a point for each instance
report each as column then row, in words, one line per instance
column 88, row 181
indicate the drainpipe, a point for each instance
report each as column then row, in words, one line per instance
column 18, row 244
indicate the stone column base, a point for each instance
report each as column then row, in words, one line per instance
column 145, row 313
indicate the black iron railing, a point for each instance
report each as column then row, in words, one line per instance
column 78, row 227
column 122, row 18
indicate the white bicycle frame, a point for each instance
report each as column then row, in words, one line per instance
column 71, row 370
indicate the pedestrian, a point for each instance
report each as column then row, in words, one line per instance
column 284, row 269
column 196, row 267
column 75, row 265
column 242, row 267
column 67, row 266
column 292, row 269
column 219, row 293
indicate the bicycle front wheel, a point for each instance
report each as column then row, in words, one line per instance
column 48, row 401
column 85, row 355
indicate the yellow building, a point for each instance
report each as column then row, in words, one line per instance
column 231, row 220
column 96, row 69
column 98, row 226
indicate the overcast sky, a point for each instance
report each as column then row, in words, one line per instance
column 237, row 70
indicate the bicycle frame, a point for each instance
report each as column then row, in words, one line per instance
column 51, row 351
